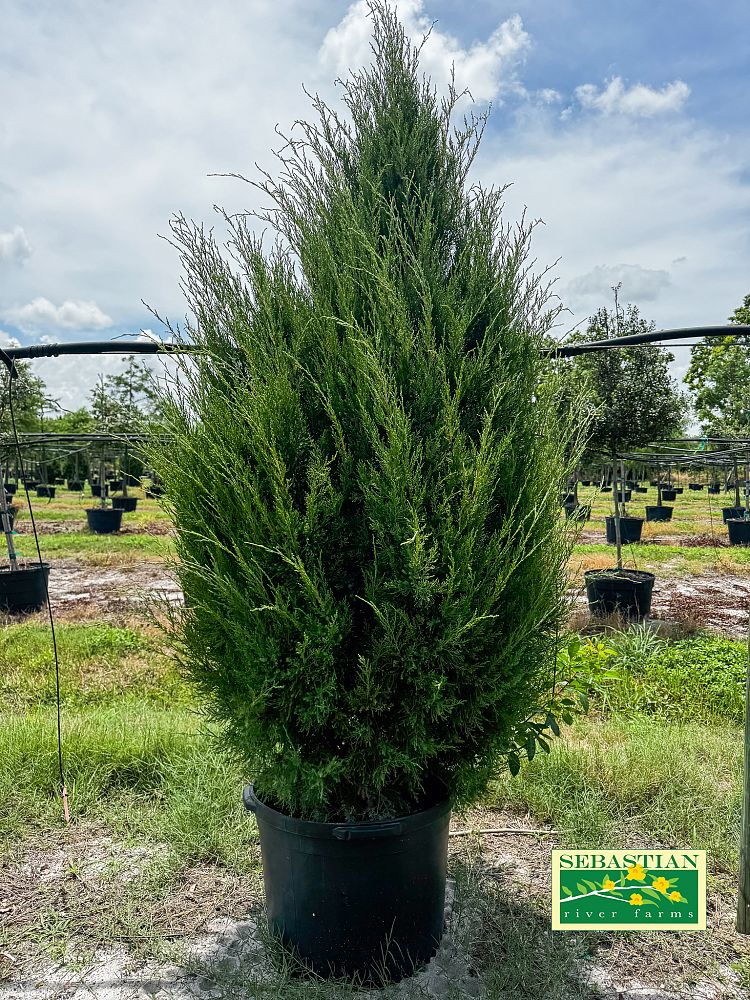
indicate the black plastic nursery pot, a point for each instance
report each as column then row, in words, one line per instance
column 714, row 490
column 732, row 513
column 625, row 497
column 127, row 504
column 46, row 491
column 12, row 511
column 641, row 489
column 24, row 590
column 578, row 512
column 103, row 520
column 669, row 494
column 630, row 529
column 355, row 899
column 585, row 482
column 659, row 513
column 75, row 485
column 695, row 486
column 679, row 489
column 115, row 485
column 11, row 488
column 154, row 491
column 566, row 499
column 627, row 591
column 96, row 490
column 739, row 531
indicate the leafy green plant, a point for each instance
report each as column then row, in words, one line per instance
column 582, row 668
column 373, row 614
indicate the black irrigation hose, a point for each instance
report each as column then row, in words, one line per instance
column 10, row 354
column 60, row 766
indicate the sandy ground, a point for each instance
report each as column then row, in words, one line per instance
column 203, row 938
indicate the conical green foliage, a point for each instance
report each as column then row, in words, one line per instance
column 366, row 464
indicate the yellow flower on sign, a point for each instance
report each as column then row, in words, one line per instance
column 661, row 884
column 675, row 896
column 637, row 872
column 608, row 884
column 636, row 899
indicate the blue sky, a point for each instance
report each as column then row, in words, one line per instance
column 624, row 127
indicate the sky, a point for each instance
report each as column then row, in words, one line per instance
column 623, row 128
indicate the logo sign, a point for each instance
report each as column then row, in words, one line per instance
column 629, row 890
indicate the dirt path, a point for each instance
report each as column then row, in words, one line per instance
column 718, row 603
column 80, row 590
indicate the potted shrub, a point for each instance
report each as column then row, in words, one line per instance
column 103, row 520
column 372, row 618
column 636, row 401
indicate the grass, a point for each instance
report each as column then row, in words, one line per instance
column 623, row 782
column 99, row 665
column 97, row 549
column 160, row 841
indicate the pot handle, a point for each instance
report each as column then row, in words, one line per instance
column 374, row 831
column 248, row 798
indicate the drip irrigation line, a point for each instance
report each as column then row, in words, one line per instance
column 32, row 351
column 60, row 765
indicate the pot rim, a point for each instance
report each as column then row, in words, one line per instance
column 344, row 831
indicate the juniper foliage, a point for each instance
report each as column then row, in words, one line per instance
column 366, row 464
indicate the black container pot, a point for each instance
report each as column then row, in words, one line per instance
column 627, row 591
column 96, row 490
column 59, row 482
column 344, row 895
column 578, row 512
column 24, row 590
column 103, row 520
column 714, row 490
column 75, row 485
column 46, row 491
column 625, row 497
column 11, row 488
column 739, row 531
column 154, row 491
column 585, row 482
column 659, row 513
column 669, row 494
column 653, row 482
column 31, row 484
column 566, row 499
column 641, row 489
column 12, row 511
column 678, row 489
column 127, row 504
column 630, row 529
column 115, row 485
column 732, row 513
column 695, row 486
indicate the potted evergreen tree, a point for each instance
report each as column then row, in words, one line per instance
column 636, row 401
column 372, row 618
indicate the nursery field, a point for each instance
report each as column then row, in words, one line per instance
column 155, row 887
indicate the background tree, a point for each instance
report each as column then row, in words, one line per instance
column 719, row 375
column 636, row 399
column 29, row 398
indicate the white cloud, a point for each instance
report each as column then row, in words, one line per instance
column 639, row 284
column 488, row 69
column 14, row 247
column 7, row 341
column 623, row 190
column 69, row 316
column 636, row 101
